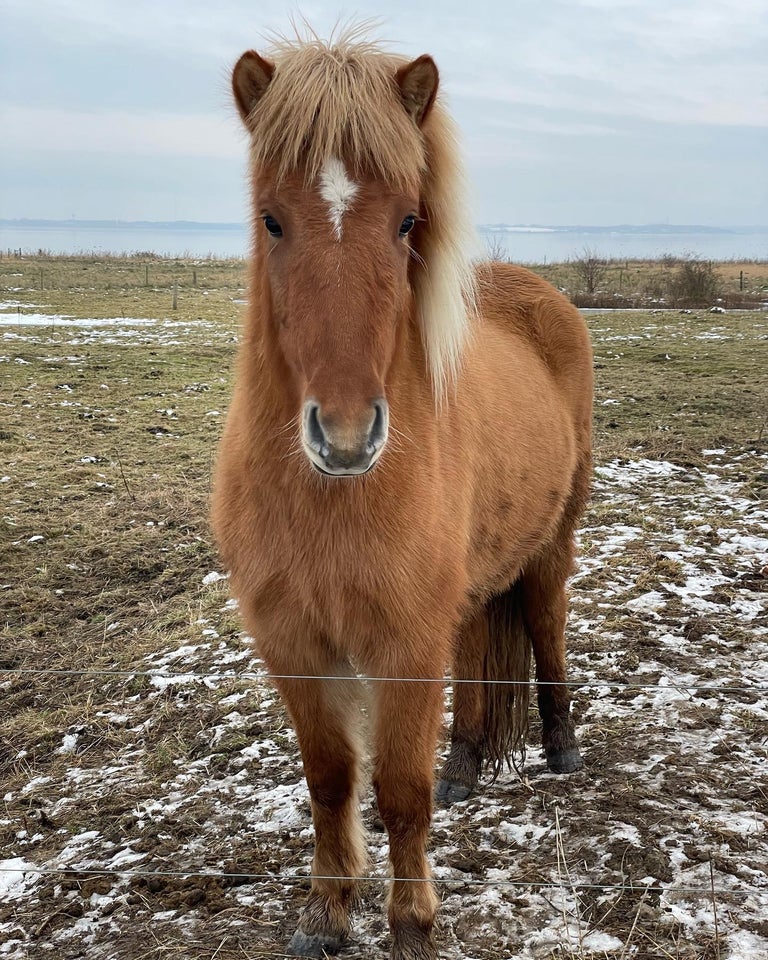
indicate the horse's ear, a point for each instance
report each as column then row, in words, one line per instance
column 250, row 79
column 418, row 82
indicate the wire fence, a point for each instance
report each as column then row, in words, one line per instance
column 84, row 872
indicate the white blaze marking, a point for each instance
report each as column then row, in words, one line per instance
column 337, row 190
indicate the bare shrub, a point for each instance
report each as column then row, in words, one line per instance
column 590, row 270
column 655, row 287
column 496, row 249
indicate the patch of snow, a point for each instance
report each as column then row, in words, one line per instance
column 69, row 744
column 17, row 877
column 597, row 941
column 626, row 831
column 649, row 602
column 177, row 680
column 213, row 577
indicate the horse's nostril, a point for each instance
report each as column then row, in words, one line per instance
column 378, row 432
column 315, row 433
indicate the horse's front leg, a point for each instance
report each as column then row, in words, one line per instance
column 326, row 716
column 407, row 722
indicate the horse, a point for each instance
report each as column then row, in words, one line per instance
column 403, row 466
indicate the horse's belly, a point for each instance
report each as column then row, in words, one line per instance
column 521, row 494
column 499, row 550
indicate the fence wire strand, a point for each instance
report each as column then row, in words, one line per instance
column 251, row 675
column 86, row 873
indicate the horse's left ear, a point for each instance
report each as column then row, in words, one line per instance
column 418, row 82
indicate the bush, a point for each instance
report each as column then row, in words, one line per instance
column 695, row 283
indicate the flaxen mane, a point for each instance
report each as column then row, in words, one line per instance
column 338, row 100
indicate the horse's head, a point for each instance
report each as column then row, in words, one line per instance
column 339, row 161
column 337, row 264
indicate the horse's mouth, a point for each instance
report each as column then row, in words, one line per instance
column 342, row 474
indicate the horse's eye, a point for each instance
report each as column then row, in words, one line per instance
column 273, row 227
column 407, row 225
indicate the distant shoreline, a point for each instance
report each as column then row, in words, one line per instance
column 522, row 243
column 653, row 229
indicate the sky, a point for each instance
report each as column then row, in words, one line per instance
column 571, row 111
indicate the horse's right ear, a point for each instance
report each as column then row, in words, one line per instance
column 250, row 79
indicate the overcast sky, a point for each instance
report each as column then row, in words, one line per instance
column 571, row 111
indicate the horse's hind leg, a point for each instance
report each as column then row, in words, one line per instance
column 462, row 767
column 326, row 717
column 545, row 606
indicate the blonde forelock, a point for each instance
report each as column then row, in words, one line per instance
column 335, row 100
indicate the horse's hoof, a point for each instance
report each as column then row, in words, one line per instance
column 422, row 951
column 312, row 945
column 565, row 761
column 448, row 792
column 412, row 943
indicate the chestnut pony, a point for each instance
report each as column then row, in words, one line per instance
column 404, row 462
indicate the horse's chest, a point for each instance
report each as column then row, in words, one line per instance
column 340, row 586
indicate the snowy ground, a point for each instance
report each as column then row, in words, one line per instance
column 657, row 849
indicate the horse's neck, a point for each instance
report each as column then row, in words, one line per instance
column 264, row 375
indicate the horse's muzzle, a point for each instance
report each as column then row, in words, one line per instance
column 343, row 449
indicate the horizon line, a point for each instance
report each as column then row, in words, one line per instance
column 497, row 226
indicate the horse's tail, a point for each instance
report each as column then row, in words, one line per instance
column 508, row 658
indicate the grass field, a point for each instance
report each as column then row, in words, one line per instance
column 180, row 758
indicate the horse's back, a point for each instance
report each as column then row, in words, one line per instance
column 517, row 303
